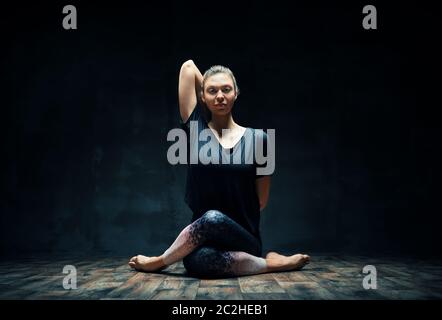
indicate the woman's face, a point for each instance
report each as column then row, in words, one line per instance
column 219, row 94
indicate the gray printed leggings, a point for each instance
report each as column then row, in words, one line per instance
column 215, row 246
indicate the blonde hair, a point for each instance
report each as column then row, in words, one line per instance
column 220, row 69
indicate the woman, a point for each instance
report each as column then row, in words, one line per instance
column 223, row 238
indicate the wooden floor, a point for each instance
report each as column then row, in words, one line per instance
column 327, row 277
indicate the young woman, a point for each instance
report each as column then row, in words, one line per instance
column 223, row 238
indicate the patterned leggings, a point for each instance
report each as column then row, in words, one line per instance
column 215, row 246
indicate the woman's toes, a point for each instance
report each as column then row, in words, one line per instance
column 306, row 259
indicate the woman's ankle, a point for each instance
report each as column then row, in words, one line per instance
column 162, row 261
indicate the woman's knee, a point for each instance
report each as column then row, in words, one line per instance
column 214, row 217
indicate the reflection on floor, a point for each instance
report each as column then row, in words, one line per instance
column 327, row 277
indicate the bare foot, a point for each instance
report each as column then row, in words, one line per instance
column 148, row 264
column 279, row 262
column 273, row 255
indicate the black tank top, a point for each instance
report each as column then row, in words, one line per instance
column 227, row 187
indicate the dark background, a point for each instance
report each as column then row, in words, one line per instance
column 85, row 114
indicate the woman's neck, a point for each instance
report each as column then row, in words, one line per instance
column 219, row 123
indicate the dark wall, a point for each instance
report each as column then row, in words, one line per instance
column 86, row 113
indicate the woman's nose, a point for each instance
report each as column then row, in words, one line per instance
column 219, row 95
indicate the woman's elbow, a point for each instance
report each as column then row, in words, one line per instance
column 187, row 64
column 262, row 205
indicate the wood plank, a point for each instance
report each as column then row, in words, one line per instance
column 219, row 293
column 141, row 285
column 306, row 291
column 186, row 290
column 266, row 296
column 231, row 282
column 260, row 286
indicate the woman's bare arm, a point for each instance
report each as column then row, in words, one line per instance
column 189, row 88
column 263, row 191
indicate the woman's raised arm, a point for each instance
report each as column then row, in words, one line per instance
column 189, row 88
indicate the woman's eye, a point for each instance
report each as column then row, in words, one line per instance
column 226, row 89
